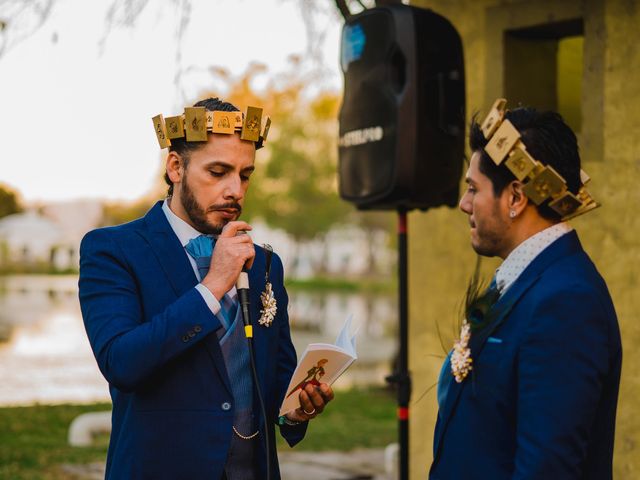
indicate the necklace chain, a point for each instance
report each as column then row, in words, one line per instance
column 245, row 437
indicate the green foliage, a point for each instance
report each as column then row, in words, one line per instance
column 116, row 213
column 9, row 201
column 33, row 440
column 386, row 286
column 294, row 187
column 354, row 419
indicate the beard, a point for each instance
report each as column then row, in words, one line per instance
column 198, row 214
column 487, row 246
column 490, row 235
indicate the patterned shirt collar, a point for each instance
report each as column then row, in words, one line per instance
column 523, row 254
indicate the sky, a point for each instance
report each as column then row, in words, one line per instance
column 75, row 114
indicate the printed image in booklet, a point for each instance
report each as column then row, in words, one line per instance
column 321, row 363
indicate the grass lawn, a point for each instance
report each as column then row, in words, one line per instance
column 360, row 285
column 33, row 440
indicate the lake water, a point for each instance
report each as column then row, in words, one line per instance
column 45, row 356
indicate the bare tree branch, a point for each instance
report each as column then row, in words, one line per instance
column 121, row 13
column 344, row 8
column 185, row 17
column 383, row 3
column 21, row 18
column 126, row 13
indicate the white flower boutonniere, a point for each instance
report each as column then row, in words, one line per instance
column 461, row 361
column 269, row 306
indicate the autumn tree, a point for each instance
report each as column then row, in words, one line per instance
column 9, row 201
column 295, row 186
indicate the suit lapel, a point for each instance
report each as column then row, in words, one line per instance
column 169, row 251
column 564, row 246
column 179, row 272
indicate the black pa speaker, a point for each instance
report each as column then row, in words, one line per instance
column 402, row 117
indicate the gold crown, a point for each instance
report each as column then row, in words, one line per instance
column 194, row 124
column 541, row 182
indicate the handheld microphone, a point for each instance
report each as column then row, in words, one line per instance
column 242, row 286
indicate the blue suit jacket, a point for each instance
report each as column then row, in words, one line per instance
column 541, row 400
column 154, row 339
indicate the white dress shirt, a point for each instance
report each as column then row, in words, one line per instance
column 186, row 232
column 523, row 254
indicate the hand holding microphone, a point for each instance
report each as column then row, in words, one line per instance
column 233, row 253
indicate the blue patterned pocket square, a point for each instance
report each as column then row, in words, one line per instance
column 494, row 340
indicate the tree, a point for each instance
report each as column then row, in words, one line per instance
column 296, row 187
column 374, row 222
column 9, row 201
column 19, row 19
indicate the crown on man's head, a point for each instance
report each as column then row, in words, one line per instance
column 541, row 182
column 194, row 124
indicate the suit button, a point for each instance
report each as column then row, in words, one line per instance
column 191, row 333
column 197, row 329
column 226, row 406
column 185, row 338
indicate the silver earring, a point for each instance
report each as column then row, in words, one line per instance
column 512, row 214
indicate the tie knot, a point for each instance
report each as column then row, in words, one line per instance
column 200, row 247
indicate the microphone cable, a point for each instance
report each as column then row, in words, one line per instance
column 242, row 286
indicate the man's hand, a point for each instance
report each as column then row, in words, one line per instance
column 231, row 253
column 313, row 401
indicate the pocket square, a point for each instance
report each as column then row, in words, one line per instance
column 494, row 340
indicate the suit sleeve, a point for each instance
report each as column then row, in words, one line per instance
column 127, row 348
column 562, row 364
column 287, row 359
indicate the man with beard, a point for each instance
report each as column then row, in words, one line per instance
column 530, row 389
column 160, row 309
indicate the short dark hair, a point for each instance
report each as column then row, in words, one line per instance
column 184, row 148
column 548, row 139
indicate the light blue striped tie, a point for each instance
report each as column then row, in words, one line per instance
column 201, row 249
column 228, row 308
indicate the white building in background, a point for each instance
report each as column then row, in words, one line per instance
column 344, row 251
column 50, row 236
column 29, row 238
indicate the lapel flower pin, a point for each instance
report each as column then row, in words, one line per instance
column 461, row 361
column 269, row 306
column 478, row 304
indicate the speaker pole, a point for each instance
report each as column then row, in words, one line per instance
column 401, row 376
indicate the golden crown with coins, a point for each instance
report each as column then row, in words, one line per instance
column 541, row 182
column 195, row 122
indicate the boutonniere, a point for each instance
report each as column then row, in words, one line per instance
column 269, row 306
column 477, row 315
column 461, row 361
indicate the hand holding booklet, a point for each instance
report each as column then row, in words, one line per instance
column 321, row 363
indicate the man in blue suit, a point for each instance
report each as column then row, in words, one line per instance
column 160, row 309
column 531, row 387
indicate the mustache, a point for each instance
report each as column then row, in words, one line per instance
column 225, row 206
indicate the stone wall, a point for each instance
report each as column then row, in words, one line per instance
column 440, row 256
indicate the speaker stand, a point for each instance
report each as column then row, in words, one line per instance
column 401, row 376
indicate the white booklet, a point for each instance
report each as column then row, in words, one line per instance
column 321, row 363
